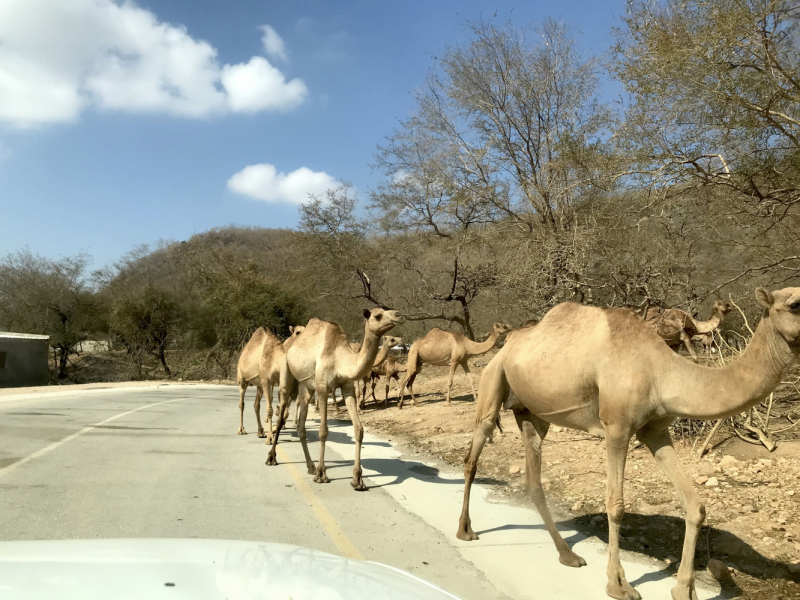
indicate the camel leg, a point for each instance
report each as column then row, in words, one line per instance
column 687, row 342
column 257, row 407
column 533, row 430
column 288, row 387
column 322, row 393
column 617, row 450
column 242, row 390
column 300, row 422
column 270, row 387
column 492, row 391
column 386, row 396
column 408, row 382
column 657, row 439
column 465, row 366
column 450, row 380
column 358, row 433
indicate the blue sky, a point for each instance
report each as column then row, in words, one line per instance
column 123, row 124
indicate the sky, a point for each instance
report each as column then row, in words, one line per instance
column 126, row 123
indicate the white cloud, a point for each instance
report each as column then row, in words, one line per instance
column 265, row 182
column 258, row 85
column 273, row 43
column 60, row 57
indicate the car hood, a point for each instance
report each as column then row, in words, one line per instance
column 178, row 569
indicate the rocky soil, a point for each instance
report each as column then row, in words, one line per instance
column 752, row 497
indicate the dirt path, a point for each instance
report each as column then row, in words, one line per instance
column 751, row 496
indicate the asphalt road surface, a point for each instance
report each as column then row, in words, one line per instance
column 165, row 461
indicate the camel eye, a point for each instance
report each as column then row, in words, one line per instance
column 378, row 317
column 795, row 305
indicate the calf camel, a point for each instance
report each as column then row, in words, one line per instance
column 676, row 327
column 260, row 365
column 388, row 369
column 446, row 348
column 320, row 361
column 389, row 342
column 605, row 372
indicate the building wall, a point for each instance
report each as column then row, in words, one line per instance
column 25, row 362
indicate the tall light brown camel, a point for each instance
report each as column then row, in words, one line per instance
column 388, row 369
column 676, row 327
column 605, row 372
column 320, row 361
column 260, row 365
column 446, row 348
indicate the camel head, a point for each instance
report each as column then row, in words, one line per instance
column 380, row 321
column 392, row 341
column 783, row 309
column 720, row 308
column 501, row 328
column 296, row 330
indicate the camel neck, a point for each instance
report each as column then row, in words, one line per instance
column 382, row 354
column 360, row 363
column 699, row 392
column 710, row 325
column 476, row 348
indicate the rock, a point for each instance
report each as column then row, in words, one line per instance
column 713, row 482
column 789, row 492
column 576, row 507
column 794, row 568
column 513, row 469
column 418, row 421
column 598, row 518
column 728, row 461
column 733, row 567
column 643, row 540
column 718, row 569
column 671, row 560
column 702, row 479
column 765, row 462
column 749, row 508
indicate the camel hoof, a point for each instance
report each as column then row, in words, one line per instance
column 622, row 592
column 271, row 460
column 680, row 593
column 312, row 470
column 262, row 434
column 571, row 559
column 359, row 486
column 321, row 478
column 241, row 431
column 466, row 534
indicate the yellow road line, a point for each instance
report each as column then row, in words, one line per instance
column 54, row 445
column 338, row 536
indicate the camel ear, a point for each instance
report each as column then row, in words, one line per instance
column 764, row 297
column 367, row 314
column 291, row 329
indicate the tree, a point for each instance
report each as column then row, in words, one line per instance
column 715, row 102
column 50, row 297
column 144, row 323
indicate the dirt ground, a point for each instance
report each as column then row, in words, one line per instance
column 751, row 495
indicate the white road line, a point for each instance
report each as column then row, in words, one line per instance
column 54, row 445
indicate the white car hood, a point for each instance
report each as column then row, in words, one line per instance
column 182, row 569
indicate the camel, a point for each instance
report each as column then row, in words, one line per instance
column 389, row 342
column 260, row 365
column 605, row 372
column 320, row 361
column 388, row 369
column 446, row 348
column 676, row 327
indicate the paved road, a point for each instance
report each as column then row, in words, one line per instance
column 165, row 462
